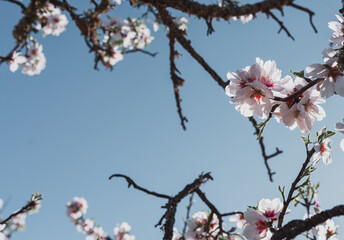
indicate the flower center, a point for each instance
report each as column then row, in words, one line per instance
column 322, row 149
column 257, row 95
column 269, row 214
column 262, row 226
column 56, row 20
column 334, row 73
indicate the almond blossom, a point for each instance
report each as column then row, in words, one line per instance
column 182, row 23
column 238, row 219
column 114, row 57
column 301, row 111
column 51, row 21
column 337, row 37
column 35, row 59
column 176, row 235
column 18, row 222
column 2, row 235
column 270, row 209
column 322, row 151
column 328, row 231
column 340, row 127
column 333, row 77
column 121, row 232
column 76, row 208
column 15, row 61
column 196, row 226
column 252, row 97
column 257, row 226
column 97, row 234
column 244, row 18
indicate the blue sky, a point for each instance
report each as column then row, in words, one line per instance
column 65, row 131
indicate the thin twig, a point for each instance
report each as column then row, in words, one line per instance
column 177, row 81
column 142, row 51
column 282, row 27
column 311, row 14
column 262, row 147
column 213, row 210
column 294, row 187
column 188, row 208
column 132, row 183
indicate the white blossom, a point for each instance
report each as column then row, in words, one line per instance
column 337, row 37
column 333, row 78
column 121, row 232
column 196, row 226
column 244, row 18
column 76, row 208
column 51, row 21
column 270, row 209
column 328, row 231
column 16, row 61
column 257, row 227
column 182, row 23
column 322, row 151
column 35, row 60
column 238, row 219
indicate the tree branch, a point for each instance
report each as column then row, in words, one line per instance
column 294, row 187
column 296, row 227
column 214, row 11
column 177, row 81
column 282, row 27
column 262, row 147
column 132, row 183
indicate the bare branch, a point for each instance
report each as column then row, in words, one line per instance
column 213, row 210
column 232, row 213
column 132, row 183
column 294, row 187
column 188, row 208
column 186, row 44
column 142, row 51
column 177, row 81
column 214, row 11
column 296, row 227
column 311, row 14
column 282, row 27
column 262, row 147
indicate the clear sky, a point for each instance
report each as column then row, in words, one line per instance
column 65, row 131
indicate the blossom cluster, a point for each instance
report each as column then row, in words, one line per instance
column 259, row 90
column 122, row 35
column 199, row 228
column 255, row 88
column 50, row 21
column 18, row 221
column 325, row 231
column 77, row 208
